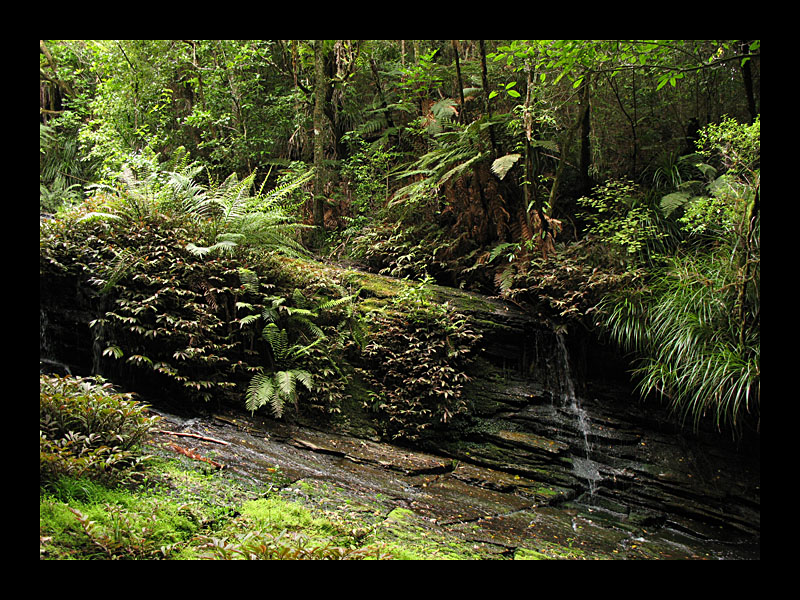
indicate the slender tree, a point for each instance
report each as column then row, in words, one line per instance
column 320, row 84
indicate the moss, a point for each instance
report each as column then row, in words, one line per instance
column 409, row 536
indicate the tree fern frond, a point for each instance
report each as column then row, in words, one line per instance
column 458, row 169
column 673, row 201
column 502, row 165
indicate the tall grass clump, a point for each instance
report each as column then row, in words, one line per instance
column 694, row 325
column 688, row 342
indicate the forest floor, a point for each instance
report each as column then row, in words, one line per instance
column 228, row 486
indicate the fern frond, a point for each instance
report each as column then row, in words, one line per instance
column 125, row 261
column 222, row 246
column 502, row 165
column 459, row 169
column 337, row 302
column 278, row 340
column 232, row 196
column 285, row 385
column 305, row 378
column 283, row 190
column 249, row 280
column 504, row 278
column 302, row 319
column 247, row 320
column 499, row 249
column 673, row 201
column 96, row 216
column 271, row 313
column 261, row 391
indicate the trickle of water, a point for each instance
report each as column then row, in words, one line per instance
column 97, row 347
column 584, row 468
column 44, row 341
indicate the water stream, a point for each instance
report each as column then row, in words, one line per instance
column 583, row 466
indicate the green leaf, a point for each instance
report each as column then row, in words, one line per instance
column 260, row 392
column 114, row 351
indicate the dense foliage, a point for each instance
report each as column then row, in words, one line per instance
column 610, row 183
column 415, row 367
column 86, row 429
column 695, row 321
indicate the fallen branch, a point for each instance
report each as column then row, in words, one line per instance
column 195, row 455
column 195, row 435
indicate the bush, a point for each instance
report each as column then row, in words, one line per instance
column 87, row 429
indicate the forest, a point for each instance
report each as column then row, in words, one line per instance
column 198, row 193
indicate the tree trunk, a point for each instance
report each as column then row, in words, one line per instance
column 459, row 84
column 566, row 146
column 585, row 158
column 319, row 117
column 488, row 108
column 747, row 78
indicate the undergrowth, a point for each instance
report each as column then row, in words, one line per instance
column 91, row 508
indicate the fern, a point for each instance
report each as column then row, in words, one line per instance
column 278, row 340
column 222, row 246
column 276, row 389
column 260, row 392
column 504, row 247
column 249, row 280
column 235, row 217
column 673, row 201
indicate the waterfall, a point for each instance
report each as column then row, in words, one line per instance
column 583, row 467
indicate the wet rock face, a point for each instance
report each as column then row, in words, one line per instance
column 554, row 444
column 593, row 442
column 508, row 511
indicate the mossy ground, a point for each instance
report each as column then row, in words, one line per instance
column 186, row 512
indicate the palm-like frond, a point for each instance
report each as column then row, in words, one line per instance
column 501, row 166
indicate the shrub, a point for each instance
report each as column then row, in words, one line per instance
column 87, row 429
